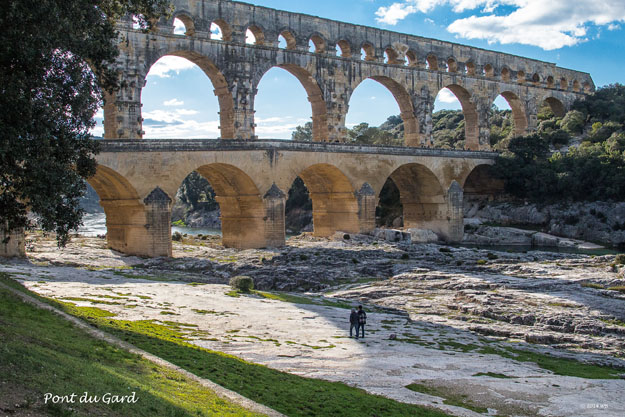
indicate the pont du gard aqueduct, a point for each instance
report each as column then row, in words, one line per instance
column 137, row 178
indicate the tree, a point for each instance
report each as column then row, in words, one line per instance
column 303, row 133
column 53, row 69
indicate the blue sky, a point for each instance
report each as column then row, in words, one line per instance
column 586, row 35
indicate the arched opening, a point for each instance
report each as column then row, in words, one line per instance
column 240, row 205
column 564, row 84
column 286, row 40
column 505, row 74
column 183, row 25
column 509, row 101
column 411, row 198
column 220, row 30
column 124, row 212
column 431, row 63
column 587, row 88
column 488, row 71
column 536, row 79
column 520, row 77
column 195, row 209
column 452, row 65
column 556, row 106
column 178, row 99
column 470, row 68
column 576, row 86
column 391, row 57
column 279, row 114
column 343, row 49
column 334, row 204
column 298, row 210
column 367, row 52
column 448, row 129
column 254, row 35
column 481, row 185
column 364, row 113
column 411, row 59
column 317, row 44
column 550, row 82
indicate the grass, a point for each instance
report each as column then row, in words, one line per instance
column 289, row 394
column 43, row 353
column 593, row 285
column 449, row 397
column 619, row 288
column 297, row 299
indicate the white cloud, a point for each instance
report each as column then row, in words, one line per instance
column 548, row 25
column 173, row 102
column 613, row 27
column 167, row 65
column 188, row 129
column 446, row 96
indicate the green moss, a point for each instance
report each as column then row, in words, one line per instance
column 592, row 285
column 619, row 288
column 449, row 397
column 494, row 375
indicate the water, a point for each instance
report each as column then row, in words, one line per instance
column 94, row 224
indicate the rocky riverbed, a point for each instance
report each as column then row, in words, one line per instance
column 441, row 316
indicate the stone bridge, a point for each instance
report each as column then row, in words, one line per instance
column 413, row 68
column 137, row 180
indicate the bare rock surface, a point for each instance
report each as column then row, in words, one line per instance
column 444, row 317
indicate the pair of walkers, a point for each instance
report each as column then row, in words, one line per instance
column 357, row 320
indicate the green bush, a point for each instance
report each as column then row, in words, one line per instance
column 242, row 283
column 176, row 237
column 492, row 256
column 481, row 262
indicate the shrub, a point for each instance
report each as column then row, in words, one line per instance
column 242, row 283
column 176, row 237
column 405, row 256
column 481, row 262
column 444, row 250
column 620, row 259
column 492, row 256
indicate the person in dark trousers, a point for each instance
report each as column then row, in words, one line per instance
column 362, row 320
column 353, row 322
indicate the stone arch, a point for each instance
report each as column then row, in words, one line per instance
column 576, row 86
column 470, row 68
column 241, row 204
column 345, row 47
column 369, row 50
column 520, row 77
column 189, row 25
column 536, row 79
column 226, row 102
column 319, row 43
column 421, row 196
column 431, row 62
column 587, row 87
column 564, row 84
column 557, row 107
column 335, row 206
column 392, row 57
column 402, row 97
column 125, row 214
column 452, row 65
column 259, row 34
column 225, row 28
column 480, row 184
column 411, row 59
column 488, row 71
column 315, row 96
column 289, row 37
column 518, row 112
column 550, row 82
column 469, row 110
column 505, row 74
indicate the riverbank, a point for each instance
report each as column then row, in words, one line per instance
column 451, row 319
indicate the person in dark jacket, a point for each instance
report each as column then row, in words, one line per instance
column 362, row 320
column 353, row 322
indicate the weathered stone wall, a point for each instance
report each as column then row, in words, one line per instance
column 413, row 68
column 12, row 244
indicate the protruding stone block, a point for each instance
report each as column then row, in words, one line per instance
column 12, row 244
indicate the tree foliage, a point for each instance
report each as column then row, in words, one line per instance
column 53, row 67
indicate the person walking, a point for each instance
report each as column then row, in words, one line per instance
column 362, row 320
column 353, row 322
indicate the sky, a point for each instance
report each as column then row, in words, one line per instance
column 585, row 35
